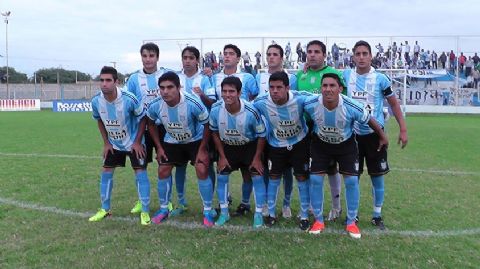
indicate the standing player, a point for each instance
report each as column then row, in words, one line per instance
column 231, row 58
column 144, row 85
column 370, row 88
column 310, row 81
column 275, row 64
column 287, row 141
column 195, row 83
column 186, row 123
column 334, row 116
column 239, row 136
column 121, row 122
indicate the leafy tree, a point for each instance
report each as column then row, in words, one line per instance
column 13, row 75
column 49, row 75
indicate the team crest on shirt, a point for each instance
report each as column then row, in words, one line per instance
column 383, row 165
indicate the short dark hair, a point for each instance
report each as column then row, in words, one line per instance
column 319, row 43
column 150, row 47
column 109, row 70
column 335, row 75
column 280, row 76
column 170, row 76
column 232, row 81
column 193, row 50
column 233, row 47
column 362, row 43
column 276, row 46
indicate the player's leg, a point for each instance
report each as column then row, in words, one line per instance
column 299, row 160
column 287, row 188
column 205, row 186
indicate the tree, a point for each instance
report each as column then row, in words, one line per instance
column 13, row 75
column 121, row 77
column 49, row 75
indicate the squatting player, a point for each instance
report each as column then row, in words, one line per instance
column 120, row 118
column 185, row 119
column 334, row 115
column 287, row 141
column 239, row 135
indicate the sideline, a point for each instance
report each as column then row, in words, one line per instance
column 238, row 228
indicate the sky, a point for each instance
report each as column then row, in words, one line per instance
column 86, row 35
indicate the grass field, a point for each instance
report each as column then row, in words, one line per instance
column 49, row 173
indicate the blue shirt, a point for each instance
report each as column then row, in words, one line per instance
column 263, row 86
column 197, row 80
column 335, row 126
column 236, row 129
column 285, row 124
column 370, row 90
column 249, row 85
column 183, row 122
column 120, row 118
column 145, row 86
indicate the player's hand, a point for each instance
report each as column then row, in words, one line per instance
column 208, row 71
column 161, row 155
column 202, row 157
column 198, row 91
column 257, row 165
column 305, row 68
column 138, row 150
column 222, row 164
column 106, row 149
column 403, row 139
column 383, row 142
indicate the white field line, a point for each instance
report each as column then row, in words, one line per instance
column 408, row 170
column 237, row 228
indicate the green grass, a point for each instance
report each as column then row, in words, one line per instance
column 419, row 197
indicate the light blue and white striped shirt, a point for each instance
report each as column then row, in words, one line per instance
column 120, row 118
column 145, row 86
column 263, row 86
column 335, row 126
column 197, row 80
column 183, row 122
column 370, row 90
column 239, row 129
column 249, row 85
column 285, row 124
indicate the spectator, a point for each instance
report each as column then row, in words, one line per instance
column 475, row 59
column 434, row 60
column 443, row 59
column 416, row 48
column 468, row 66
column 462, row 60
column 246, row 62
column 379, row 48
column 288, row 51
column 299, row 52
column 258, row 57
column 407, row 52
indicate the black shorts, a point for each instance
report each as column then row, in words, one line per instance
column 212, row 151
column 149, row 145
column 180, row 154
column 377, row 163
column 325, row 155
column 296, row 156
column 239, row 156
column 117, row 159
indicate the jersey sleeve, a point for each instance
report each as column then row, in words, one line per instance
column 260, row 129
column 153, row 111
column 213, row 119
column 131, row 86
column 95, row 114
column 293, row 83
column 200, row 112
column 360, row 114
column 386, row 86
column 251, row 86
column 309, row 105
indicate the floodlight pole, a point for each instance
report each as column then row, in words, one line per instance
column 6, row 14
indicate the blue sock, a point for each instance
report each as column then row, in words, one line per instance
column 352, row 194
column 287, row 186
column 259, row 192
column 272, row 192
column 247, row 188
column 163, row 187
column 316, row 195
column 180, row 178
column 222, row 192
column 212, row 174
column 378, row 185
column 206, row 193
column 106, row 185
column 143, row 188
column 304, row 193
column 170, row 189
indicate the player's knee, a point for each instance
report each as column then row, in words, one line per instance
column 164, row 171
column 202, row 171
